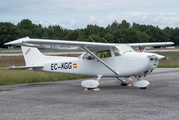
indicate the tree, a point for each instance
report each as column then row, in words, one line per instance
column 96, row 38
column 81, row 37
column 124, row 25
column 93, row 29
column 144, row 37
column 115, row 33
column 27, row 28
column 152, row 31
column 109, row 38
column 25, row 24
column 130, row 36
column 118, row 36
column 114, row 25
column 8, row 32
column 72, row 35
column 45, row 35
column 135, row 26
column 175, row 36
column 102, row 34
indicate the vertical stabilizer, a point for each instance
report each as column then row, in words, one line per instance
column 32, row 56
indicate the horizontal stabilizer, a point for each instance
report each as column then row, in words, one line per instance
column 23, row 67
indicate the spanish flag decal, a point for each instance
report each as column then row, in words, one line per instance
column 74, row 65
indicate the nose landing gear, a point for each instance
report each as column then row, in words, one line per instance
column 142, row 84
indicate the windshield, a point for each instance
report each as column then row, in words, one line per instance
column 123, row 48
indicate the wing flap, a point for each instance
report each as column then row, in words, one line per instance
column 23, row 67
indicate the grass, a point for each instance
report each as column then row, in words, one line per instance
column 6, row 89
column 6, row 61
column 27, row 76
column 172, row 62
column 9, row 52
column 12, row 77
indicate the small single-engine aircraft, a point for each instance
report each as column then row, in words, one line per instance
column 99, row 59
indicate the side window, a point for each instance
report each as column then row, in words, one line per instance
column 88, row 56
column 116, row 52
column 104, row 54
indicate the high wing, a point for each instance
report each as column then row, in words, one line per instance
column 59, row 44
column 75, row 45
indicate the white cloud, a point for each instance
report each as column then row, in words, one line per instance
column 77, row 14
column 158, row 19
column 72, row 23
column 48, row 23
column 92, row 18
column 57, row 7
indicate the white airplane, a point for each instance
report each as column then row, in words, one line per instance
column 99, row 59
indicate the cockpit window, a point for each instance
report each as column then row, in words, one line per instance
column 88, row 56
column 104, row 54
column 116, row 52
column 123, row 48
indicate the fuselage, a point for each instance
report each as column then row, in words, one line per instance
column 127, row 64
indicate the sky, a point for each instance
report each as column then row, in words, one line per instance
column 74, row 14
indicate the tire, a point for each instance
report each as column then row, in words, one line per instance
column 143, row 87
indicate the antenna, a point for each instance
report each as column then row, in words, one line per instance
column 105, row 40
column 91, row 39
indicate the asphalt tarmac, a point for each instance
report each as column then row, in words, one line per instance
column 66, row 100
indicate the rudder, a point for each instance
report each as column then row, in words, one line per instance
column 32, row 56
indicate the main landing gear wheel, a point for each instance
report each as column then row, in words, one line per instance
column 143, row 88
column 128, row 85
column 91, row 84
column 92, row 89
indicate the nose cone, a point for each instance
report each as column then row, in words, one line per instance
column 157, row 57
column 160, row 57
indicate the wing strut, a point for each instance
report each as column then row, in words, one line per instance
column 140, row 48
column 87, row 50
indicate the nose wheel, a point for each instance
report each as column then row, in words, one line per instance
column 142, row 84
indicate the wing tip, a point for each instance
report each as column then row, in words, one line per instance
column 18, row 41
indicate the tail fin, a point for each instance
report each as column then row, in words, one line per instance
column 32, row 56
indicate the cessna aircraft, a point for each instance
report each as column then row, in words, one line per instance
column 99, row 59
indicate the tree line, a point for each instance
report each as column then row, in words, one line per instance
column 116, row 32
